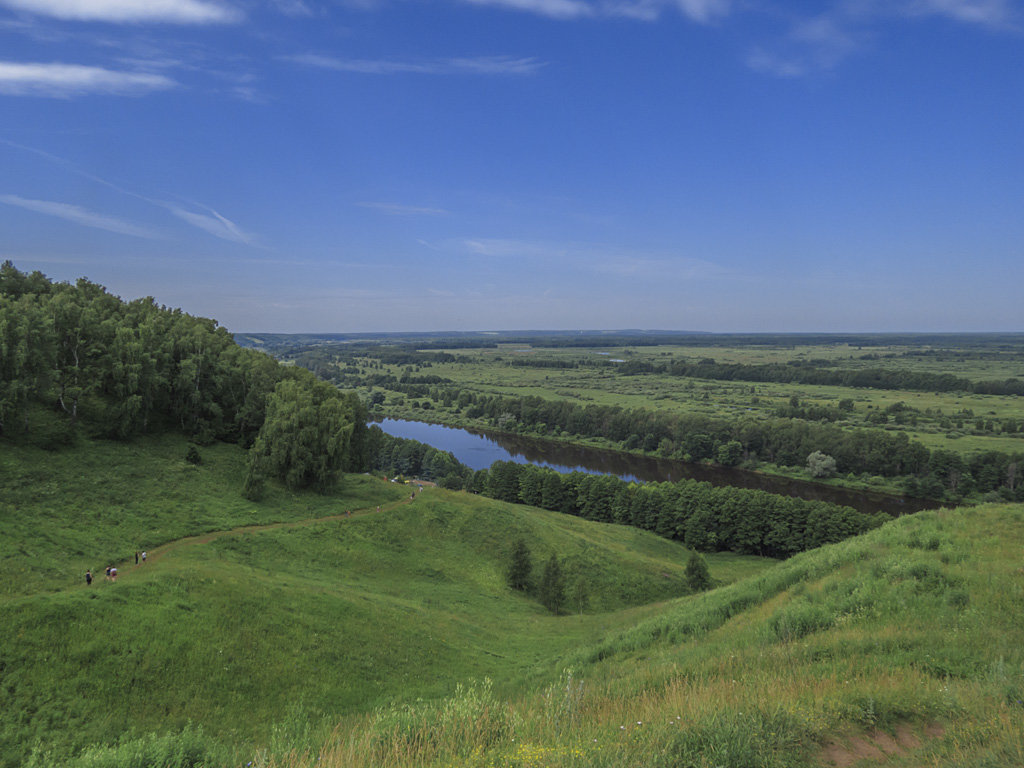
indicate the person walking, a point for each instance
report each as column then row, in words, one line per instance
column 136, row 557
column 143, row 557
column 88, row 578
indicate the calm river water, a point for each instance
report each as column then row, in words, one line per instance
column 480, row 450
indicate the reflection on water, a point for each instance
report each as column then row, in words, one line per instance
column 480, row 450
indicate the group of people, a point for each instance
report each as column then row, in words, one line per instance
column 111, row 572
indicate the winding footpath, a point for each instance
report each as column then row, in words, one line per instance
column 126, row 568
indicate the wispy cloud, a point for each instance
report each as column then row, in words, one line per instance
column 990, row 13
column 703, row 11
column 556, row 9
column 293, row 7
column 78, row 215
column 512, row 249
column 213, row 223
column 67, row 80
column 820, row 43
column 130, row 11
column 483, row 65
column 396, row 209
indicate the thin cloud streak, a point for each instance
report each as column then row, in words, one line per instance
column 484, row 65
column 701, row 11
column 396, row 209
column 79, row 215
column 130, row 11
column 68, row 80
column 555, row 9
column 215, row 224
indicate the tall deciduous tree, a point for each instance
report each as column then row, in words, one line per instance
column 306, row 435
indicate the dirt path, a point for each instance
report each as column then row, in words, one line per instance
column 127, row 568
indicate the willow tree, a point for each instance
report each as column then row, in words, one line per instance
column 306, row 437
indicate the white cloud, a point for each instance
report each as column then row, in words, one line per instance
column 64, row 80
column 704, row 10
column 397, row 209
column 78, row 215
column 293, row 7
column 214, row 224
column 994, row 13
column 483, row 65
column 130, row 11
column 556, row 9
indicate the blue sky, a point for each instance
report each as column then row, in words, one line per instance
column 357, row 165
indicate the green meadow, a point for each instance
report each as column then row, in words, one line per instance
column 264, row 624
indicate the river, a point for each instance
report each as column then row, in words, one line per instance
column 480, row 450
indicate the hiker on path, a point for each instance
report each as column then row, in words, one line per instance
column 113, row 574
column 143, row 558
column 108, row 573
column 136, row 557
column 88, row 578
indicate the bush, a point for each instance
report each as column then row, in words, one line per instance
column 188, row 749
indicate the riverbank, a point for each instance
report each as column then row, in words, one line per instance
column 480, row 447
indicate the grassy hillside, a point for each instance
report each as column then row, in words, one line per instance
column 902, row 647
column 273, row 622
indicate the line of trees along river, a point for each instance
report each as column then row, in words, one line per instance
column 703, row 516
column 480, row 450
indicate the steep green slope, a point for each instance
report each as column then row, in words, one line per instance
column 902, row 647
column 290, row 626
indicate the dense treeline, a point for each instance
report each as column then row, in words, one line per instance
column 696, row 513
column 803, row 372
column 74, row 358
column 867, row 378
column 702, row 516
column 786, row 442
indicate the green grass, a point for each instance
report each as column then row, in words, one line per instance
column 906, row 639
column 268, row 636
column 391, row 639
column 86, row 508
